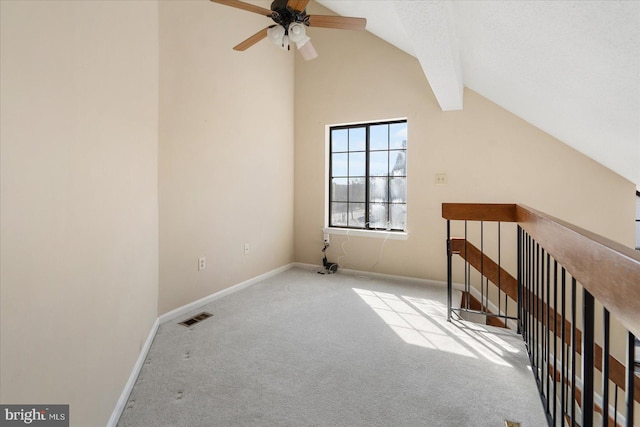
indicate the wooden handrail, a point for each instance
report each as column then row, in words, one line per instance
column 608, row 270
column 480, row 212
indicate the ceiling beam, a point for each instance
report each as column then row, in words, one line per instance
column 431, row 29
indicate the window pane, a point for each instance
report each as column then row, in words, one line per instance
column 398, row 188
column 357, row 166
column 339, row 140
column 378, row 215
column 398, row 163
column 378, row 189
column 398, row 217
column 356, row 215
column 379, row 163
column 357, row 139
column 357, row 190
column 339, row 214
column 379, row 137
column 398, row 134
column 339, row 188
column 339, row 164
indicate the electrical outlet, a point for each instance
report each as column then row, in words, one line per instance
column 326, row 239
column 441, row 178
column 246, row 249
column 202, row 263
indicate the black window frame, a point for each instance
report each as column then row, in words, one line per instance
column 367, row 178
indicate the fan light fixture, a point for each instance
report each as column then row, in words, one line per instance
column 298, row 34
column 295, row 33
column 278, row 36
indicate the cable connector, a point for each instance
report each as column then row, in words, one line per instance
column 329, row 267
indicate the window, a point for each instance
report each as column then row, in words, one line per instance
column 368, row 176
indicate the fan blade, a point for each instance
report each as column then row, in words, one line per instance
column 252, row 40
column 298, row 5
column 340, row 22
column 245, row 6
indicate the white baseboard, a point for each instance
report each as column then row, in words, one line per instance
column 187, row 308
column 307, row 266
column 124, row 396
column 404, row 279
column 173, row 314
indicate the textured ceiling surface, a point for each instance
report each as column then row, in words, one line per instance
column 571, row 68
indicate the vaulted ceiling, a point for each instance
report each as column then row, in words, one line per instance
column 570, row 68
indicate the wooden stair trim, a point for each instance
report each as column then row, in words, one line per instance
column 474, row 304
column 485, row 265
column 596, row 407
column 509, row 285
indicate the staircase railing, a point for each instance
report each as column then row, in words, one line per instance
column 575, row 301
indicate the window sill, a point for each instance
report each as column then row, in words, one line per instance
column 389, row 235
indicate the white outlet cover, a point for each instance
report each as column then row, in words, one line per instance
column 441, row 178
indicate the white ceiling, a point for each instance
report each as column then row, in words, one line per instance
column 571, row 68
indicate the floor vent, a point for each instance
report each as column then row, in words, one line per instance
column 195, row 319
column 508, row 423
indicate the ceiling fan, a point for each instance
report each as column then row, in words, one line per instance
column 290, row 19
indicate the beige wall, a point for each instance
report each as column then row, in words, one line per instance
column 489, row 155
column 134, row 141
column 79, row 249
column 226, row 151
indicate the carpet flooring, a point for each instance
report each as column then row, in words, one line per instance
column 304, row 349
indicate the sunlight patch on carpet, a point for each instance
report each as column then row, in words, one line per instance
column 422, row 322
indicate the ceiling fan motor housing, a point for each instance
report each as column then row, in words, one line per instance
column 284, row 15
